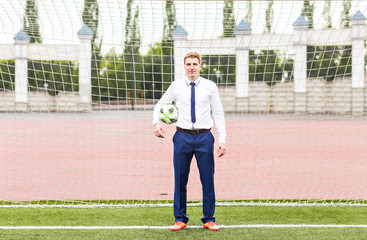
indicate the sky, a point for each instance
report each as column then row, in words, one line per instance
column 60, row 20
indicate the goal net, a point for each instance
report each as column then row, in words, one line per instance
column 79, row 80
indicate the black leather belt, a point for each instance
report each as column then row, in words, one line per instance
column 194, row 131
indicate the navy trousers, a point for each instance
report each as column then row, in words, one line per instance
column 185, row 146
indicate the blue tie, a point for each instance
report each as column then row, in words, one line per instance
column 193, row 117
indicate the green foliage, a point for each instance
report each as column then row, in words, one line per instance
column 159, row 70
column 165, row 48
column 110, row 85
column 308, row 11
column 345, row 21
column 132, row 76
column 7, row 75
column 158, row 62
column 121, row 78
column 248, row 16
column 326, row 14
column 30, row 21
column 267, row 66
column 229, row 21
column 132, row 60
column 170, row 22
column 269, row 16
column 221, row 69
column 91, row 19
column 127, row 22
column 132, row 33
column 329, row 62
column 57, row 75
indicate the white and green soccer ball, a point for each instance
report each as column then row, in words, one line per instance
column 168, row 113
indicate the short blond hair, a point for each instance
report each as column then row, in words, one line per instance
column 193, row 55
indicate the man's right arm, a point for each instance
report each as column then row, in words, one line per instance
column 158, row 130
column 167, row 98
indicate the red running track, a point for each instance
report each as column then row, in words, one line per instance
column 83, row 158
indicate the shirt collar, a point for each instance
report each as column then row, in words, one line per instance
column 197, row 81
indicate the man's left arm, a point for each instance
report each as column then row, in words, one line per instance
column 218, row 115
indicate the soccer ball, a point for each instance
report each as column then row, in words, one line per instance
column 168, row 113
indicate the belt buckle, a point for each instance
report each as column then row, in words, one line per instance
column 196, row 131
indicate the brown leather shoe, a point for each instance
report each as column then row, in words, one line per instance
column 211, row 226
column 178, row 226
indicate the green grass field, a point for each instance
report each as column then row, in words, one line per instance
column 162, row 216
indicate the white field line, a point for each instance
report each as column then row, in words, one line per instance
column 279, row 204
column 168, row 227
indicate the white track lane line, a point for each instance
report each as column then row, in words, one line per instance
column 168, row 227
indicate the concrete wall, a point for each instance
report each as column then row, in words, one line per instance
column 333, row 97
column 43, row 102
column 321, row 97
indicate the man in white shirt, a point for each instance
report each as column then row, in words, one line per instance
column 198, row 103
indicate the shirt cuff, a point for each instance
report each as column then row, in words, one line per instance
column 155, row 122
column 222, row 140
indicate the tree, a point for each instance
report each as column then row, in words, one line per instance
column 221, row 69
column 30, row 24
column 135, row 34
column 7, row 75
column 326, row 14
column 158, row 71
column 248, row 17
column 167, row 52
column 307, row 11
column 169, row 25
column 345, row 21
column 91, row 19
column 131, row 56
column 52, row 76
column 229, row 21
column 170, row 22
column 112, row 85
column 329, row 61
column 132, row 33
column 267, row 67
column 158, row 63
column 269, row 16
column 127, row 24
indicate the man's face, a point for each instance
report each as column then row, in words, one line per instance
column 192, row 67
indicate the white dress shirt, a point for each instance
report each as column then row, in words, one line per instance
column 207, row 101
